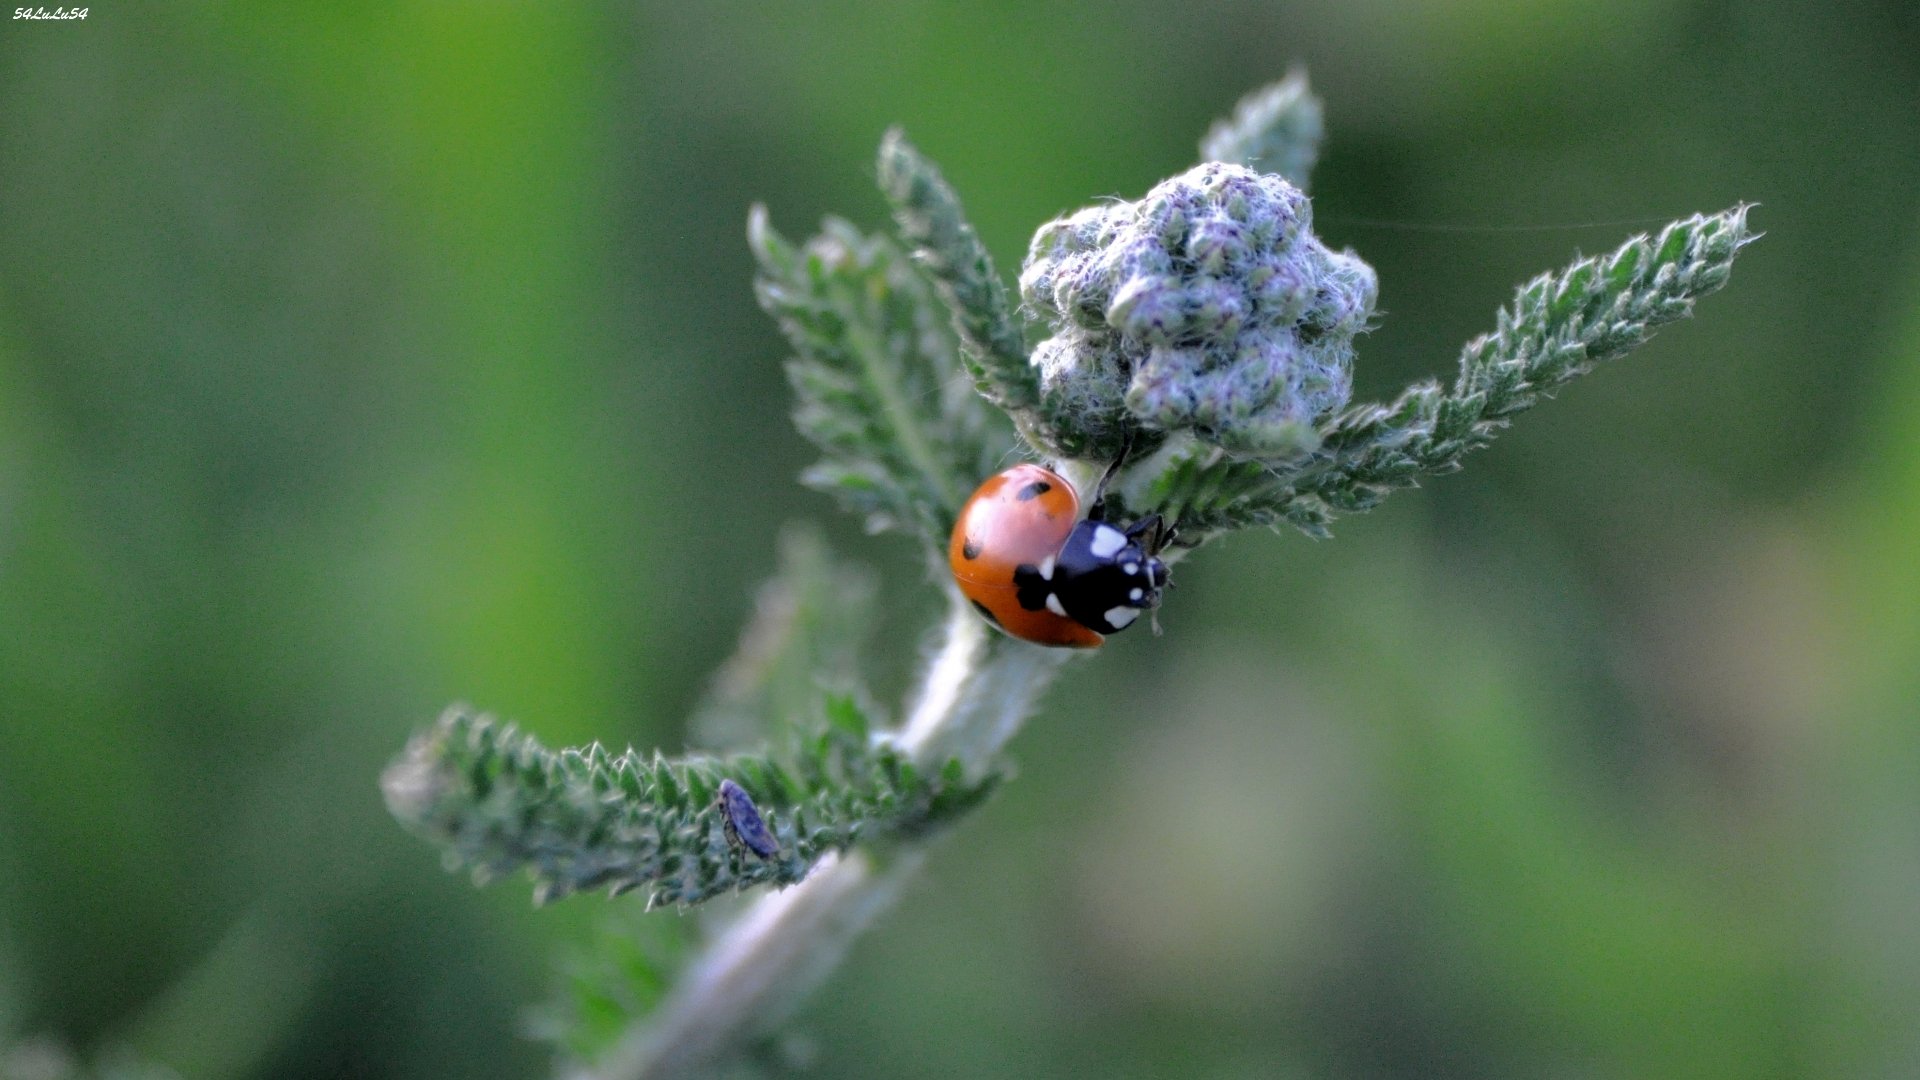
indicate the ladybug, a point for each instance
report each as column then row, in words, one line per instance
column 1032, row 567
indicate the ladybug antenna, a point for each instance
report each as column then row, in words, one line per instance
column 1163, row 538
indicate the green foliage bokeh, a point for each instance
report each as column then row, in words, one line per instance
column 359, row 358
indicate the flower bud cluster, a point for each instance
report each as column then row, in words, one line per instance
column 1208, row 306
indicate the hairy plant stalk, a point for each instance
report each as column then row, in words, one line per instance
column 758, row 969
column 751, row 976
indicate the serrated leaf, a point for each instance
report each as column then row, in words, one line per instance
column 935, row 227
column 1557, row 327
column 877, row 379
column 585, row 828
column 1275, row 129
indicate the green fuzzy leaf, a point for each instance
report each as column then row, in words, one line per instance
column 877, row 379
column 1556, row 329
column 1207, row 491
column 809, row 622
column 611, row 981
column 1275, row 129
column 575, row 825
column 846, row 719
column 935, row 227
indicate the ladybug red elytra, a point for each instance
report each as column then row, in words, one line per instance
column 1032, row 567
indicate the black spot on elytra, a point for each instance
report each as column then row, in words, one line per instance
column 1032, row 588
column 1033, row 490
column 970, row 549
column 985, row 613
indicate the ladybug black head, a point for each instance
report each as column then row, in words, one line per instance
column 1103, row 577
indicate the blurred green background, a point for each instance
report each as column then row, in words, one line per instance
column 356, row 358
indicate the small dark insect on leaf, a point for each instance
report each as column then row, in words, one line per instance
column 745, row 828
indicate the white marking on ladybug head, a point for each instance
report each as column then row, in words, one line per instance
column 1107, row 542
column 1046, row 569
column 1053, row 605
column 1135, row 595
column 1130, row 568
column 1121, row 617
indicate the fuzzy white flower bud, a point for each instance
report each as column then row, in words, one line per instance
column 1208, row 306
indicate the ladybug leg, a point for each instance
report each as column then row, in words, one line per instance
column 1158, row 532
column 1098, row 513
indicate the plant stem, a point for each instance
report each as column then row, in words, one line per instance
column 755, row 973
